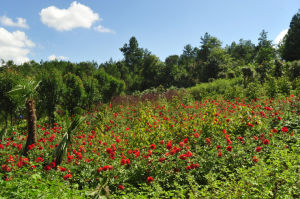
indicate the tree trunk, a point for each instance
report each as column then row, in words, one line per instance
column 31, row 124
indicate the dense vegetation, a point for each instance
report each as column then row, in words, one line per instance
column 211, row 122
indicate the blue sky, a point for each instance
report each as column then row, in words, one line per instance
column 94, row 30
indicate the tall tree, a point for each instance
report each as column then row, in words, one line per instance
column 50, row 92
column 265, row 50
column 243, row 51
column 133, row 54
column 208, row 43
column 291, row 43
column 74, row 93
column 265, row 56
column 26, row 91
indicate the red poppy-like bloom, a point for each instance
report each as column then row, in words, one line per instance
column 181, row 144
column 258, row 149
column 169, row 146
column 19, row 146
column 47, row 168
column 218, row 147
column 229, row 148
column 255, row 159
column 196, row 135
column 123, row 161
column 182, row 157
column 30, row 146
column 162, row 159
column 266, row 141
column 67, row 176
column 152, row 146
column 5, row 168
column 52, row 164
column 207, row 140
column 62, row 169
column 121, row 187
column 284, row 129
column 108, row 150
column 219, row 154
column 150, row 179
column 186, row 140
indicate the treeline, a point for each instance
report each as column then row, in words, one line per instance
column 74, row 87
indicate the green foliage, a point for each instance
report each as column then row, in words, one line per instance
column 293, row 69
column 284, row 86
column 229, row 88
column 50, row 93
column 271, row 87
column 26, row 89
column 244, row 51
column 74, row 93
column 253, row 90
column 290, row 49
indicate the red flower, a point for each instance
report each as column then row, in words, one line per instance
column 207, row 141
column 67, row 176
column 123, row 161
column 5, row 168
column 218, row 147
column 219, row 154
column 150, row 179
column 108, row 150
column 121, row 187
column 47, row 168
column 266, row 141
column 229, row 148
column 182, row 157
column 30, row 146
column 258, row 149
column 52, row 164
column 181, row 144
column 186, row 140
column 152, row 146
column 196, row 135
column 162, row 159
column 169, row 146
column 255, row 159
column 62, row 169
column 284, row 129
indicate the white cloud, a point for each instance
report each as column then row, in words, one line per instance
column 14, row 46
column 100, row 28
column 54, row 57
column 76, row 16
column 6, row 21
column 281, row 35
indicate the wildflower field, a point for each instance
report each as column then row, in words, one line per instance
column 214, row 148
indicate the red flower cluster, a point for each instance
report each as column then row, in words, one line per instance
column 149, row 179
column 67, row 176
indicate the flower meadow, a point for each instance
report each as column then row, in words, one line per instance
column 214, row 148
